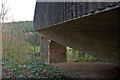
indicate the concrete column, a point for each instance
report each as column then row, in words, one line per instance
column 56, row 52
column 43, row 48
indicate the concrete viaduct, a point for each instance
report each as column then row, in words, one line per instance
column 91, row 27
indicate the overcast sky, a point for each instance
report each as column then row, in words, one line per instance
column 21, row 10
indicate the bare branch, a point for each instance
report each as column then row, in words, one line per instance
column 4, row 10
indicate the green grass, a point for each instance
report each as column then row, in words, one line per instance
column 31, row 49
column 36, row 47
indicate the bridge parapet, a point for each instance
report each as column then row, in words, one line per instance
column 50, row 13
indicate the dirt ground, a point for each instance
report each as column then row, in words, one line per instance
column 90, row 69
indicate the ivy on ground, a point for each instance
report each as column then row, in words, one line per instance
column 12, row 68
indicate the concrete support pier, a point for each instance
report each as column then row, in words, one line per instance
column 56, row 52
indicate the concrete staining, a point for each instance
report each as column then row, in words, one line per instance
column 97, row 34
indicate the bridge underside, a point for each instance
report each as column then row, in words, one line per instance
column 96, row 34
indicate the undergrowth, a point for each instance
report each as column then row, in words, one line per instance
column 12, row 68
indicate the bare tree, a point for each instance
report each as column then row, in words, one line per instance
column 3, row 11
column 33, row 39
column 0, row 51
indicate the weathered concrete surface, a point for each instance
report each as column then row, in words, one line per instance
column 97, row 34
column 43, row 48
column 50, row 13
column 56, row 53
